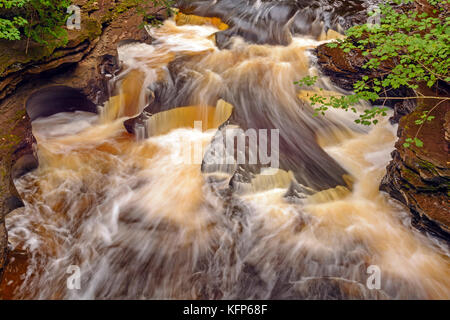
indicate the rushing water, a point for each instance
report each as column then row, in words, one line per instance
column 142, row 222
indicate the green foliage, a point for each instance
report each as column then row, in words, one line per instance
column 152, row 19
column 416, row 141
column 413, row 46
column 9, row 28
column 40, row 20
column 47, row 20
column 424, row 117
column 43, row 20
column 307, row 81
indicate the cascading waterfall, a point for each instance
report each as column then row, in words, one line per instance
column 143, row 222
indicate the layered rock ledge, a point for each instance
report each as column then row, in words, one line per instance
column 417, row 177
column 420, row 177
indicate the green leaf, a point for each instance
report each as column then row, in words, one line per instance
column 418, row 142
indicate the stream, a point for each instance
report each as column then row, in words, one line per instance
column 159, row 214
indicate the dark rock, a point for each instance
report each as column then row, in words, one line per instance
column 343, row 69
column 298, row 191
column 276, row 24
column 109, row 65
column 23, row 165
column 101, row 89
column 140, row 121
column 133, row 123
column 51, row 100
column 3, row 246
column 13, row 203
column 401, row 109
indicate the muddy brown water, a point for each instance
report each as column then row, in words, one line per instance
column 142, row 221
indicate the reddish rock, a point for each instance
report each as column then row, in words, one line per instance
column 345, row 69
column 420, row 177
column 3, row 245
column 417, row 177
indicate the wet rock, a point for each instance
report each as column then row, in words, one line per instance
column 56, row 99
column 3, row 246
column 298, row 191
column 420, row 177
column 183, row 19
column 132, row 124
column 108, row 66
column 13, row 203
column 24, row 165
column 140, row 121
column 345, row 69
column 402, row 109
column 267, row 23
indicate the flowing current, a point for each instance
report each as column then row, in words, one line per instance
column 141, row 221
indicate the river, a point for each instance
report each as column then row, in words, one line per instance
column 142, row 218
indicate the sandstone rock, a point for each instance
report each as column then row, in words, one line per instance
column 183, row 19
column 420, row 177
column 3, row 246
column 21, row 63
column 345, row 69
column 106, row 23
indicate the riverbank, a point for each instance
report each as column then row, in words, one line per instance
column 83, row 63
